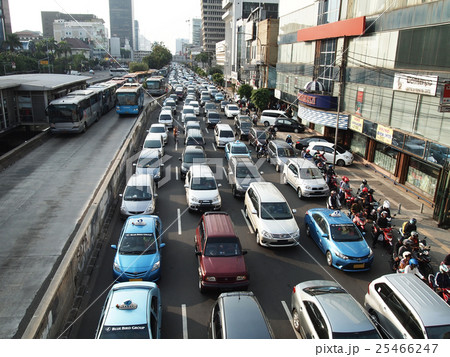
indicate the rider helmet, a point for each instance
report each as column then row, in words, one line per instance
column 288, row 136
column 414, row 234
column 345, row 179
column 364, row 182
column 333, row 193
column 412, row 221
column 443, row 268
column 371, row 191
column 413, row 262
column 330, row 166
column 365, row 189
column 406, row 254
column 384, row 214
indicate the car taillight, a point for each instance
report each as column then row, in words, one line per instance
column 368, row 289
column 293, row 290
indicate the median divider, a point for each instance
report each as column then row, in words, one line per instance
column 52, row 311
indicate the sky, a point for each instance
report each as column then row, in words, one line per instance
column 159, row 20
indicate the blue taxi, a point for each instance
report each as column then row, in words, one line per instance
column 236, row 148
column 339, row 239
column 138, row 255
column 132, row 310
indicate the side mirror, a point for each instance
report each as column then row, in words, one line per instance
column 186, row 186
column 134, row 164
column 162, row 165
column 162, row 245
column 120, row 195
column 325, row 236
column 230, row 172
column 155, row 195
column 254, row 211
column 113, row 246
column 197, row 252
column 294, row 211
column 219, row 185
column 180, row 159
column 244, row 252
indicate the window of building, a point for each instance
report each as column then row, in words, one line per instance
column 328, row 11
column 359, row 144
column 385, row 157
column 423, row 176
column 326, row 63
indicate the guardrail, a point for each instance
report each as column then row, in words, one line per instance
column 58, row 300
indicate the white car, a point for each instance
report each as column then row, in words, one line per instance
column 187, row 109
column 154, row 141
column 202, row 191
column 166, row 118
column 270, row 215
column 305, row 178
column 343, row 157
column 231, row 110
column 196, row 106
column 159, row 129
column 139, row 196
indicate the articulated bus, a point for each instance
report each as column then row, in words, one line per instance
column 118, row 72
column 108, row 92
column 131, row 77
column 130, row 99
column 156, row 86
column 75, row 112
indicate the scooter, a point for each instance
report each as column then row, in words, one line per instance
column 423, row 257
column 360, row 221
column 383, row 234
column 444, row 293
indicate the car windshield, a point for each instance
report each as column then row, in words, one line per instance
column 165, row 117
column 320, row 290
column 286, row 152
column 275, row 210
column 188, row 111
column 210, row 106
column 233, row 107
column 437, row 331
column 203, row 183
column 261, row 134
column 246, row 124
column 237, row 149
column 152, row 144
column 125, row 332
column 370, row 334
column 137, row 244
column 137, row 193
column 195, row 140
column 244, row 171
column 310, row 173
column 147, row 162
column 340, row 150
column 157, row 129
column 213, row 115
column 226, row 134
column 220, row 247
column 198, row 158
column 345, row 233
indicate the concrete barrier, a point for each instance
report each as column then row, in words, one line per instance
column 51, row 313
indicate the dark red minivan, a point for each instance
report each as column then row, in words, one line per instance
column 221, row 263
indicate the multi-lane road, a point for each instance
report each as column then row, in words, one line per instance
column 273, row 272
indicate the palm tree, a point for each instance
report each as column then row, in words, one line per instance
column 12, row 42
column 65, row 48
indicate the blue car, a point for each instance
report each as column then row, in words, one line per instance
column 132, row 310
column 339, row 239
column 219, row 97
column 138, row 254
column 236, row 148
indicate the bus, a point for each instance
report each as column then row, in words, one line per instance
column 118, row 72
column 75, row 112
column 130, row 99
column 156, row 86
column 108, row 92
column 132, row 77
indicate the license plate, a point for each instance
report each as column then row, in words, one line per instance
column 358, row 266
column 207, row 202
column 135, row 279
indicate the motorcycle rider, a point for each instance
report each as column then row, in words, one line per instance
column 404, row 262
column 382, row 222
column 271, row 132
column 356, row 208
column 289, row 140
column 412, row 268
column 307, row 155
column 344, row 186
column 386, row 207
column 363, row 185
column 330, row 171
column 408, row 227
column 442, row 278
column 333, row 201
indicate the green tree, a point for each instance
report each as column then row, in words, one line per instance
column 159, row 57
column 12, row 42
column 261, row 98
column 203, row 57
column 218, row 79
column 125, row 53
column 245, row 91
column 216, row 69
column 138, row 66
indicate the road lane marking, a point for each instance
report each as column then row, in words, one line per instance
column 214, row 146
column 176, row 173
column 288, row 313
column 207, row 131
column 184, row 321
column 225, row 172
column 179, row 221
column 248, row 223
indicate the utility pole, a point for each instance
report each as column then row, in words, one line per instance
column 340, row 83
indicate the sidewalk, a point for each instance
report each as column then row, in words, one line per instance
column 404, row 205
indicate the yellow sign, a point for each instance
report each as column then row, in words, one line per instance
column 43, row 62
column 384, row 134
column 356, row 124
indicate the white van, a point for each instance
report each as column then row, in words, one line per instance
column 223, row 134
column 154, row 141
column 406, row 307
column 139, row 196
column 269, row 117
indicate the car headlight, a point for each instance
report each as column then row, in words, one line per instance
column 156, row 265
column 148, row 209
column 340, row 255
column 194, row 199
column 307, row 187
column 210, row 278
column 266, row 234
column 117, row 267
column 370, row 253
column 241, row 277
column 216, row 199
column 296, row 234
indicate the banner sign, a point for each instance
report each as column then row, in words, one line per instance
column 384, row 134
column 356, row 124
column 416, row 84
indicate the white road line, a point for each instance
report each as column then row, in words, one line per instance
column 176, row 173
column 206, row 129
column 184, row 321
column 214, row 146
column 288, row 313
column 225, row 172
column 179, row 221
column 248, row 223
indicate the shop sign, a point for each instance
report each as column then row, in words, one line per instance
column 384, row 134
column 356, row 124
column 317, row 100
column 359, row 101
column 277, row 93
column 444, row 106
column 416, row 84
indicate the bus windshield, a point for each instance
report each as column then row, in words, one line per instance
column 63, row 113
column 153, row 84
column 127, row 98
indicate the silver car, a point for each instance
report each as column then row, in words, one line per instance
column 323, row 309
column 278, row 153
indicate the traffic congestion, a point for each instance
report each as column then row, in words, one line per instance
column 226, row 219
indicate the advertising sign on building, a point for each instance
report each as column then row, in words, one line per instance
column 444, row 106
column 359, row 101
column 356, row 124
column 415, row 84
column 384, row 134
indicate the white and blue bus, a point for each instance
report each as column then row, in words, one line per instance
column 108, row 92
column 156, row 86
column 118, row 72
column 75, row 112
column 130, row 99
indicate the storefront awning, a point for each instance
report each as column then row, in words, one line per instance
column 322, row 118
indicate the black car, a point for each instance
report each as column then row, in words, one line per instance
column 257, row 136
column 243, row 126
column 300, row 144
column 290, row 125
column 191, row 154
column 212, row 118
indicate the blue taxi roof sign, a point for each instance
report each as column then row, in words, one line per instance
column 127, row 305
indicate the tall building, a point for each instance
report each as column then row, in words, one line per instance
column 179, row 42
column 213, row 27
column 49, row 17
column 136, row 35
column 388, row 77
column 5, row 21
column 197, row 32
column 121, row 17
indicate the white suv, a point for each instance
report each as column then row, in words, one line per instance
column 202, row 191
column 223, row 134
column 270, row 215
column 343, row 157
column 269, row 117
column 305, row 178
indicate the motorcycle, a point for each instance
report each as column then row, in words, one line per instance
column 332, row 183
column 360, row 221
column 384, row 235
column 349, row 199
column 423, row 257
column 262, row 151
column 444, row 293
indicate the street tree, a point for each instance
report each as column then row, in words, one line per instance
column 245, row 91
column 261, row 98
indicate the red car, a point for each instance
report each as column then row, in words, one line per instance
column 221, row 263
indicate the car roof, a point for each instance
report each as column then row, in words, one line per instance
column 323, row 143
column 244, row 317
column 194, row 148
column 194, row 132
column 223, row 127
column 302, row 163
column 331, row 216
column 281, row 143
column 431, row 308
column 140, row 224
column 237, row 143
column 218, row 224
column 269, row 191
column 154, row 136
column 244, row 160
column 158, row 125
column 138, row 293
column 149, row 152
column 140, row 180
column 201, row 170
column 343, row 312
